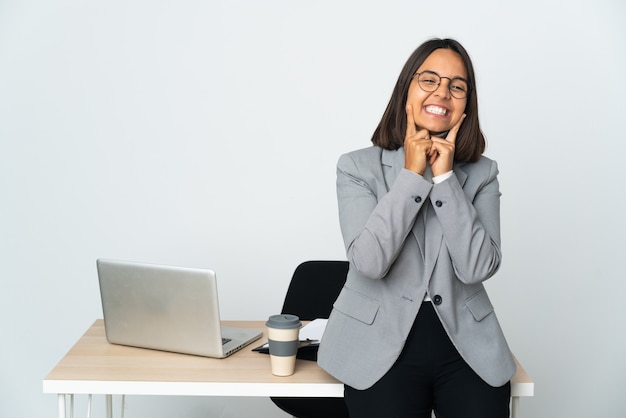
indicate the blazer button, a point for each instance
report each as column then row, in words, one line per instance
column 418, row 199
column 437, row 300
column 439, row 203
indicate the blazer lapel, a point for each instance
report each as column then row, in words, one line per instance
column 460, row 173
column 433, row 239
column 393, row 163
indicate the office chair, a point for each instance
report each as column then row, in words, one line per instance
column 313, row 289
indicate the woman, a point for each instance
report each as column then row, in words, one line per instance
column 413, row 329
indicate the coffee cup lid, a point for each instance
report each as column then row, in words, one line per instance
column 283, row 321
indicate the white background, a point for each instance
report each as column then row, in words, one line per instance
column 205, row 134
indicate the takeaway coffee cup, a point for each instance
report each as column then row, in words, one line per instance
column 283, row 332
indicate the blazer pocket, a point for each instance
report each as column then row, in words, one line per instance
column 357, row 305
column 479, row 305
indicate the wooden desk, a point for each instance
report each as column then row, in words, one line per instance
column 94, row 366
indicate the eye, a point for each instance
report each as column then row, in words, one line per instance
column 429, row 79
column 459, row 86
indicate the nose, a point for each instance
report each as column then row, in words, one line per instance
column 443, row 90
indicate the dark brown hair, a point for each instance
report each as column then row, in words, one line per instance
column 390, row 133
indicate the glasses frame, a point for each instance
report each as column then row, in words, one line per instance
column 469, row 85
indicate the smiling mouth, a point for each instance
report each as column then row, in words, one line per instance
column 437, row 110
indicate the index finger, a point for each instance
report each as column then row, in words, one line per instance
column 411, row 129
column 455, row 129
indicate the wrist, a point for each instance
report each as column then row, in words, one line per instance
column 442, row 177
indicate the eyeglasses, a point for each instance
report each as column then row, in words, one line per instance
column 430, row 81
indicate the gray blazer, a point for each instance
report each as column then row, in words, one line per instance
column 406, row 237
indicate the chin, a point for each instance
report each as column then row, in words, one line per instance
column 434, row 130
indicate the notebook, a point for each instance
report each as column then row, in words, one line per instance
column 166, row 308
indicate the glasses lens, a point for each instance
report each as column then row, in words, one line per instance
column 428, row 81
column 459, row 88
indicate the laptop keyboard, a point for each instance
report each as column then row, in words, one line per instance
column 226, row 340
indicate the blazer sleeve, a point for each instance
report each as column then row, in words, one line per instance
column 470, row 221
column 375, row 223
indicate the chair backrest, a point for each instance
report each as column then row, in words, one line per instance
column 314, row 288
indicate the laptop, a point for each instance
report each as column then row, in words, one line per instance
column 166, row 308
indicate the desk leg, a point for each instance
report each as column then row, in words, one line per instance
column 61, row 405
column 515, row 407
column 109, row 402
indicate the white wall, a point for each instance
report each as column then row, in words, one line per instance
column 205, row 134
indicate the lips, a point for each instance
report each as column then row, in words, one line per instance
column 436, row 110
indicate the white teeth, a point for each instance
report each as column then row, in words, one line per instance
column 436, row 110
